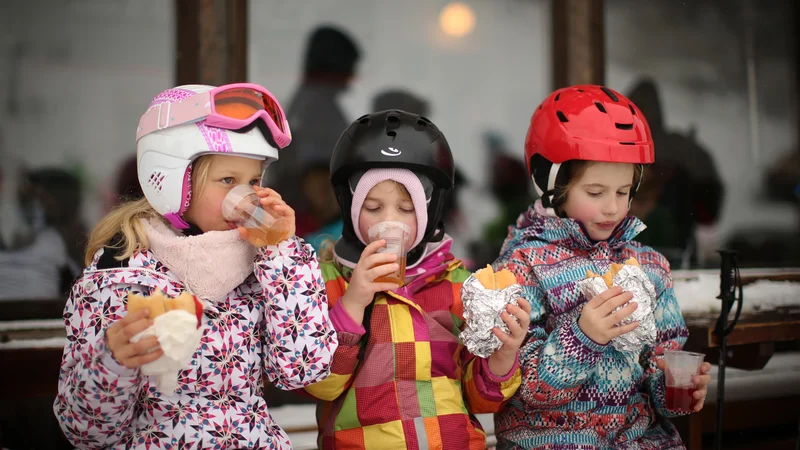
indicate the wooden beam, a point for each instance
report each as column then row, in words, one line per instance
column 211, row 41
column 578, row 42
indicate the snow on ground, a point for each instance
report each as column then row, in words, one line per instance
column 699, row 294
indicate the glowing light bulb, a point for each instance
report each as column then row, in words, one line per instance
column 457, row 19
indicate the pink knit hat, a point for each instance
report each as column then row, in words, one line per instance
column 405, row 177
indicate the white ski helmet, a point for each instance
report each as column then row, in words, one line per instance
column 165, row 156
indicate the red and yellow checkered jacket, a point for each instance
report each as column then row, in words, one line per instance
column 415, row 386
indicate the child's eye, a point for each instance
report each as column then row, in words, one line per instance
column 227, row 180
column 407, row 210
column 622, row 194
column 373, row 209
column 595, row 194
column 255, row 182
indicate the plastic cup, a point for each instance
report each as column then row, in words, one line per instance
column 242, row 206
column 396, row 235
column 681, row 367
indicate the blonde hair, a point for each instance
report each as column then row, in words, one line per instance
column 125, row 221
column 404, row 194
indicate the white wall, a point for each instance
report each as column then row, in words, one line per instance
column 86, row 71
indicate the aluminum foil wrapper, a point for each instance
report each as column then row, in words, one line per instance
column 630, row 278
column 482, row 308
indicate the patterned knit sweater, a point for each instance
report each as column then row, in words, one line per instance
column 575, row 393
column 415, row 387
column 274, row 324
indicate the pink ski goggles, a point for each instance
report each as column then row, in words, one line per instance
column 231, row 106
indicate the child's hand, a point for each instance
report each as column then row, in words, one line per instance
column 700, row 381
column 597, row 321
column 362, row 287
column 271, row 200
column 118, row 340
column 501, row 361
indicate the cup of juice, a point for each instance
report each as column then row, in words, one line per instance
column 681, row 367
column 243, row 207
column 396, row 234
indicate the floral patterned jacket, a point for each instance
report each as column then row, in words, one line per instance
column 274, row 323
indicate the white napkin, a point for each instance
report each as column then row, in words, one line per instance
column 179, row 338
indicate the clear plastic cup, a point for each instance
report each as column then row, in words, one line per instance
column 681, row 367
column 242, row 206
column 396, row 235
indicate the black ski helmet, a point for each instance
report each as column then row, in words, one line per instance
column 393, row 139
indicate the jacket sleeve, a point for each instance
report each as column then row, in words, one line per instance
column 554, row 363
column 345, row 358
column 483, row 391
column 96, row 394
column 299, row 340
column 671, row 334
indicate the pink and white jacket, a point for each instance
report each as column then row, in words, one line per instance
column 274, row 323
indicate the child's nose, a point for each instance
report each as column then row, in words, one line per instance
column 388, row 216
column 611, row 207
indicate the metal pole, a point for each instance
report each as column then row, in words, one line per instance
column 729, row 282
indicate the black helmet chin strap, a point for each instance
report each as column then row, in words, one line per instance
column 438, row 235
column 548, row 194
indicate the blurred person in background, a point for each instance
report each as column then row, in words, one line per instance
column 44, row 256
column 510, row 186
column 687, row 183
column 317, row 121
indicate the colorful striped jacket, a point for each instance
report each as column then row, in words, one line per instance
column 575, row 393
column 415, row 386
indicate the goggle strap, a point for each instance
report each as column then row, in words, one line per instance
column 169, row 114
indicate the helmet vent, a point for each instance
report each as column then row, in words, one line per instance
column 633, row 111
column 600, row 107
column 155, row 180
column 610, row 94
column 421, row 123
column 562, row 117
column 391, row 133
column 581, row 90
column 624, row 126
column 628, row 143
column 364, row 120
column 558, row 96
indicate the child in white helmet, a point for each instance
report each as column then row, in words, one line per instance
column 264, row 309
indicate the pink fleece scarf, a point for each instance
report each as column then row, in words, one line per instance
column 210, row 265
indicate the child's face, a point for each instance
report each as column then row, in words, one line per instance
column 599, row 199
column 224, row 173
column 387, row 202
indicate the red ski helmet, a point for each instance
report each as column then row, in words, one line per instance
column 589, row 123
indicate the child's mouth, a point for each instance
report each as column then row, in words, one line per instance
column 607, row 225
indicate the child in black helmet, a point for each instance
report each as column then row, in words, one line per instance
column 400, row 378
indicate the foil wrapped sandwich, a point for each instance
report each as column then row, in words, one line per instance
column 485, row 295
column 631, row 278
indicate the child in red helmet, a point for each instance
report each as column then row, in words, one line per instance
column 586, row 149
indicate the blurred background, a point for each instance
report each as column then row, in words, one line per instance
column 717, row 80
